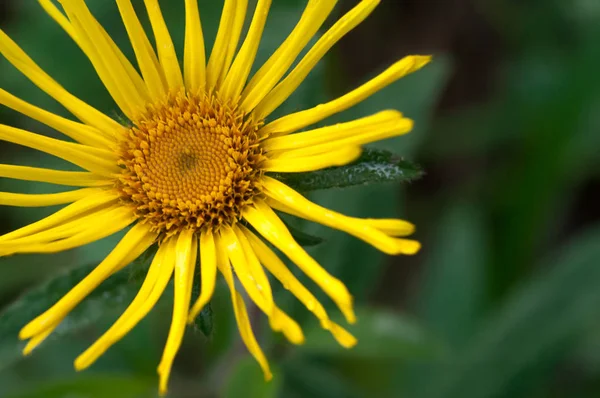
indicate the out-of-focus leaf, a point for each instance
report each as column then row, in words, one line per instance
column 204, row 320
column 111, row 296
column 307, row 379
column 454, row 280
column 302, row 237
column 380, row 334
column 247, row 380
column 536, row 323
column 92, row 386
column 373, row 166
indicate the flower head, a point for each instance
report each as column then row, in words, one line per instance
column 191, row 171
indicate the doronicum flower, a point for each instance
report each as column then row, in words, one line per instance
column 191, row 170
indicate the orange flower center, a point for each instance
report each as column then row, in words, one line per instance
column 192, row 162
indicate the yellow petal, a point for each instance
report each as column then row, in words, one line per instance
column 87, row 114
column 266, row 222
column 39, row 339
column 164, row 44
column 159, row 275
column 112, row 222
column 70, row 178
column 288, row 85
column 296, row 121
column 291, row 283
column 41, row 200
column 291, row 199
column 81, row 133
column 238, row 74
column 362, row 131
column 218, row 55
column 255, row 283
column 93, row 159
column 186, row 250
column 340, row 157
column 208, row 273
column 98, row 198
column 107, row 59
column 152, row 72
column 315, row 13
column 241, row 313
column 83, row 223
column 137, row 240
column 194, row 60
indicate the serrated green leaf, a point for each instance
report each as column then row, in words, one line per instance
column 110, row 297
column 381, row 335
column 538, row 322
column 91, row 386
column 373, row 166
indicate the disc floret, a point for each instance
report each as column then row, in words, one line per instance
column 190, row 162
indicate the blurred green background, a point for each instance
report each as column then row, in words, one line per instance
column 502, row 301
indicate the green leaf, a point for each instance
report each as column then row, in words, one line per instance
column 247, row 380
column 305, row 378
column 381, row 335
column 538, row 322
column 204, row 320
column 373, row 166
column 301, row 237
column 454, row 280
column 110, row 297
column 91, row 386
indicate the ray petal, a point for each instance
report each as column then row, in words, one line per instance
column 291, row 82
column 296, row 121
column 137, row 240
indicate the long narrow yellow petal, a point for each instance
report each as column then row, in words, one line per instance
column 70, row 178
column 137, row 240
column 362, row 131
column 84, row 112
column 233, row 38
column 299, row 120
column 266, row 222
column 97, row 160
column 114, row 221
column 186, row 251
column 194, row 59
column 288, row 85
column 291, row 283
column 208, row 273
column 83, row 223
column 311, row 211
column 96, row 199
column 220, row 48
column 145, row 55
column 164, row 44
column 157, row 278
column 389, row 226
column 41, row 200
column 241, row 314
column 81, row 133
column 238, row 74
column 278, row 320
column 39, row 339
column 272, row 71
column 103, row 55
column 310, row 162
column 239, row 260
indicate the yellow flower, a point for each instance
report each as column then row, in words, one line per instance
column 191, row 173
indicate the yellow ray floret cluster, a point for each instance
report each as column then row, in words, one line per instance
column 191, row 171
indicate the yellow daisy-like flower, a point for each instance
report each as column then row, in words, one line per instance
column 191, row 172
